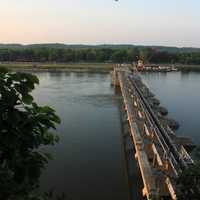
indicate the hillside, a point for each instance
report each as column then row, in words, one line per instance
column 113, row 46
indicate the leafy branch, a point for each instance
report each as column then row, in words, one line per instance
column 24, row 128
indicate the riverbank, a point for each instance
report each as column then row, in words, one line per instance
column 194, row 68
column 181, row 67
column 79, row 67
column 72, row 67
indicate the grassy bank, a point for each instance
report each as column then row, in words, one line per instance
column 79, row 67
column 92, row 67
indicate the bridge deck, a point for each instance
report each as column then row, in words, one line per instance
column 160, row 157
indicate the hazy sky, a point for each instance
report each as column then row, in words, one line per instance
column 148, row 22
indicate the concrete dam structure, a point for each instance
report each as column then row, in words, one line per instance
column 160, row 154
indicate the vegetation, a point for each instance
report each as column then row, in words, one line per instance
column 101, row 46
column 61, row 54
column 24, row 128
column 92, row 67
column 189, row 180
column 189, row 183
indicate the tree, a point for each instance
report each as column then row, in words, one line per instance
column 101, row 56
column 132, row 54
column 91, row 55
column 97, row 54
column 188, row 181
column 119, row 56
column 146, row 54
column 24, row 127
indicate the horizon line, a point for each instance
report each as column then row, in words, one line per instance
column 100, row 44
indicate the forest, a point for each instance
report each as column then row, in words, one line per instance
column 98, row 54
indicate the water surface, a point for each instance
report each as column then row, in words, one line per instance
column 89, row 160
column 179, row 92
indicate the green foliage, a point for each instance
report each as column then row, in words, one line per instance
column 117, row 54
column 189, row 180
column 24, row 128
column 146, row 54
column 189, row 183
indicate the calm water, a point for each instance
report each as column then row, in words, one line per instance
column 179, row 92
column 89, row 160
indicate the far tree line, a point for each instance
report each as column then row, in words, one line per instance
column 149, row 55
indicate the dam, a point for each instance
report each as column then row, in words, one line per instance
column 161, row 155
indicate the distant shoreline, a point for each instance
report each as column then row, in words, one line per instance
column 78, row 67
column 182, row 67
column 58, row 67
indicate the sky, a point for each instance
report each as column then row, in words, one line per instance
column 140, row 22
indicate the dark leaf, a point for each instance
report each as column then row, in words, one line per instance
column 27, row 99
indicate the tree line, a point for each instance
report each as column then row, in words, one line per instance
column 120, row 55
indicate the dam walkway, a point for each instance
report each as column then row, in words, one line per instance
column 161, row 155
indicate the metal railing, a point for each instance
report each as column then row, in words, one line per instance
column 165, row 140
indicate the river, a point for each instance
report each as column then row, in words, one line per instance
column 179, row 92
column 89, row 160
